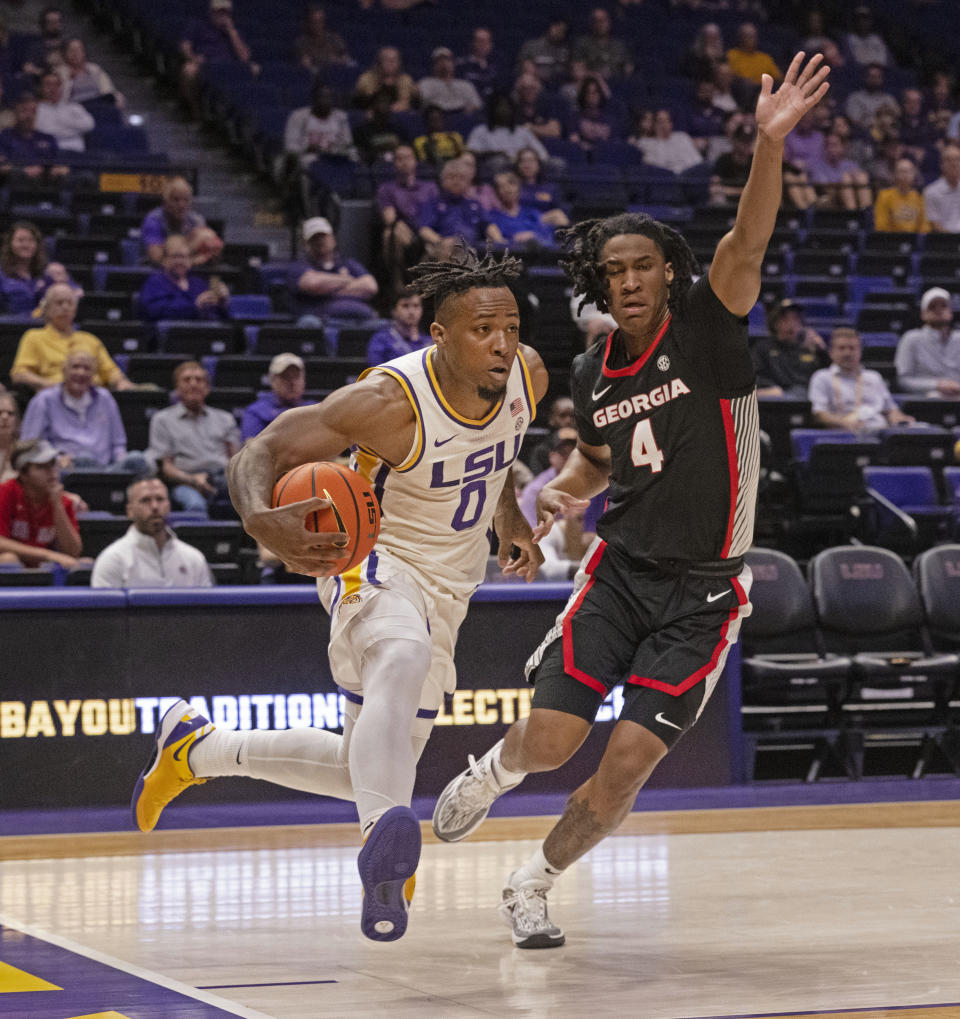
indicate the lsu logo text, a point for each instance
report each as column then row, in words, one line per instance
column 476, row 465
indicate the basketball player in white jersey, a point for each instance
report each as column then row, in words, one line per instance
column 435, row 433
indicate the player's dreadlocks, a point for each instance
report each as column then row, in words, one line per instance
column 463, row 271
column 584, row 241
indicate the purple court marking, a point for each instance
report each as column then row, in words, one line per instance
column 828, row 1011
column 279, row 983
column 88, row 986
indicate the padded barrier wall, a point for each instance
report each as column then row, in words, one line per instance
column 83, row 674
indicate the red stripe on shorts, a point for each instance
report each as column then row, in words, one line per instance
column 568, row 665
column 684, row 685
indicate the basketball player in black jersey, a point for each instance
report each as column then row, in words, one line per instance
column 667, row 417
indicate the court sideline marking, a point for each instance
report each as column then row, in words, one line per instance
column 69, row 945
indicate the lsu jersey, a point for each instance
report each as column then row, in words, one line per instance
column 437, row 506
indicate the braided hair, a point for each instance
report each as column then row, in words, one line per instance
column 463, row 271
column 584, row 241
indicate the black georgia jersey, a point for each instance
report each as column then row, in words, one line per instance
column 681, row 424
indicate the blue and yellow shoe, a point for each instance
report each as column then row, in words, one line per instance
column 168, row 772
column 388, row 865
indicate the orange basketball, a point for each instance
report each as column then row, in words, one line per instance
column 354, row 510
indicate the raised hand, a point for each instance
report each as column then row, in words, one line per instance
column 801, row 89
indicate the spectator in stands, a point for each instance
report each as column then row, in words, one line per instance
column 81, row 421
column 534, row 110
column 706, row 121
column 669, row 149
column 706, row 54
column 24, row 271
column 915, row 131
column 840, row 182
column 482, row 193
column 863, row 44
column 150, row 554
column 437, row 144
column 561, row 416
column 326, row 285
column 210, row 40
column 942, row 197
column 321, row 128
column 38, row 522
column 862, row 105
column 593, row 121
column 9, row 432
column 177, row 216
column 480, row 66
column 537, row 192
column 83, row 80
column 387, row 73
column 401, row 202
column 173, row 292
column 500, row 135
column 191, row 442
column 726, row 89
column 882, row 168
column 928, row 358
column 730, row 170
column 42, row 353
column 804, row 145
column 749, row 62
column 45, row 51
column 379, row 134
column 548, row 55
column 7, row 117
column 900, row 208
column 288, row 380
column 785, row 361
column 403, row 335
column 602, row 52
column 512, row 222
column 848, row 396
column 317, row 47
column 65, row 120
column 452, row 216
column 26, row 151
column 453, row 95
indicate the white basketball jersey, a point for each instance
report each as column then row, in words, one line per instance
column 437, row 506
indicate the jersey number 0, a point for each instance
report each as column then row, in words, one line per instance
column 644, row 451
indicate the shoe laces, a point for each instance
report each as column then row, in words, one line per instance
column 529, row 906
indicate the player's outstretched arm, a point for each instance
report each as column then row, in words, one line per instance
column 374, row 413
column 585, row 474
column 735, row 270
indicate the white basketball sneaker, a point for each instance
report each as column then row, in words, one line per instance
column 467, row 800
column 524, row 909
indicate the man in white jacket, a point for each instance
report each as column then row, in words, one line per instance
column 150, row 554
column 68, row 122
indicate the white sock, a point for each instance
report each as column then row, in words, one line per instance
column 507, row 779
column 311, row 760
column 538, row 869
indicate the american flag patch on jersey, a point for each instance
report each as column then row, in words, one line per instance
column 516, row 406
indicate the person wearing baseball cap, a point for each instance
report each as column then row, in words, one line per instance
column 928, row 358
column 786, row 360
column 451, row 94
column 38, row 522
column 323, row 284
column 288, row 379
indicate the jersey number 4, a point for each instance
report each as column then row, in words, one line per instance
column 644, row 451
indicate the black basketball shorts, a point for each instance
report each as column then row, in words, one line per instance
column 663, row 632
